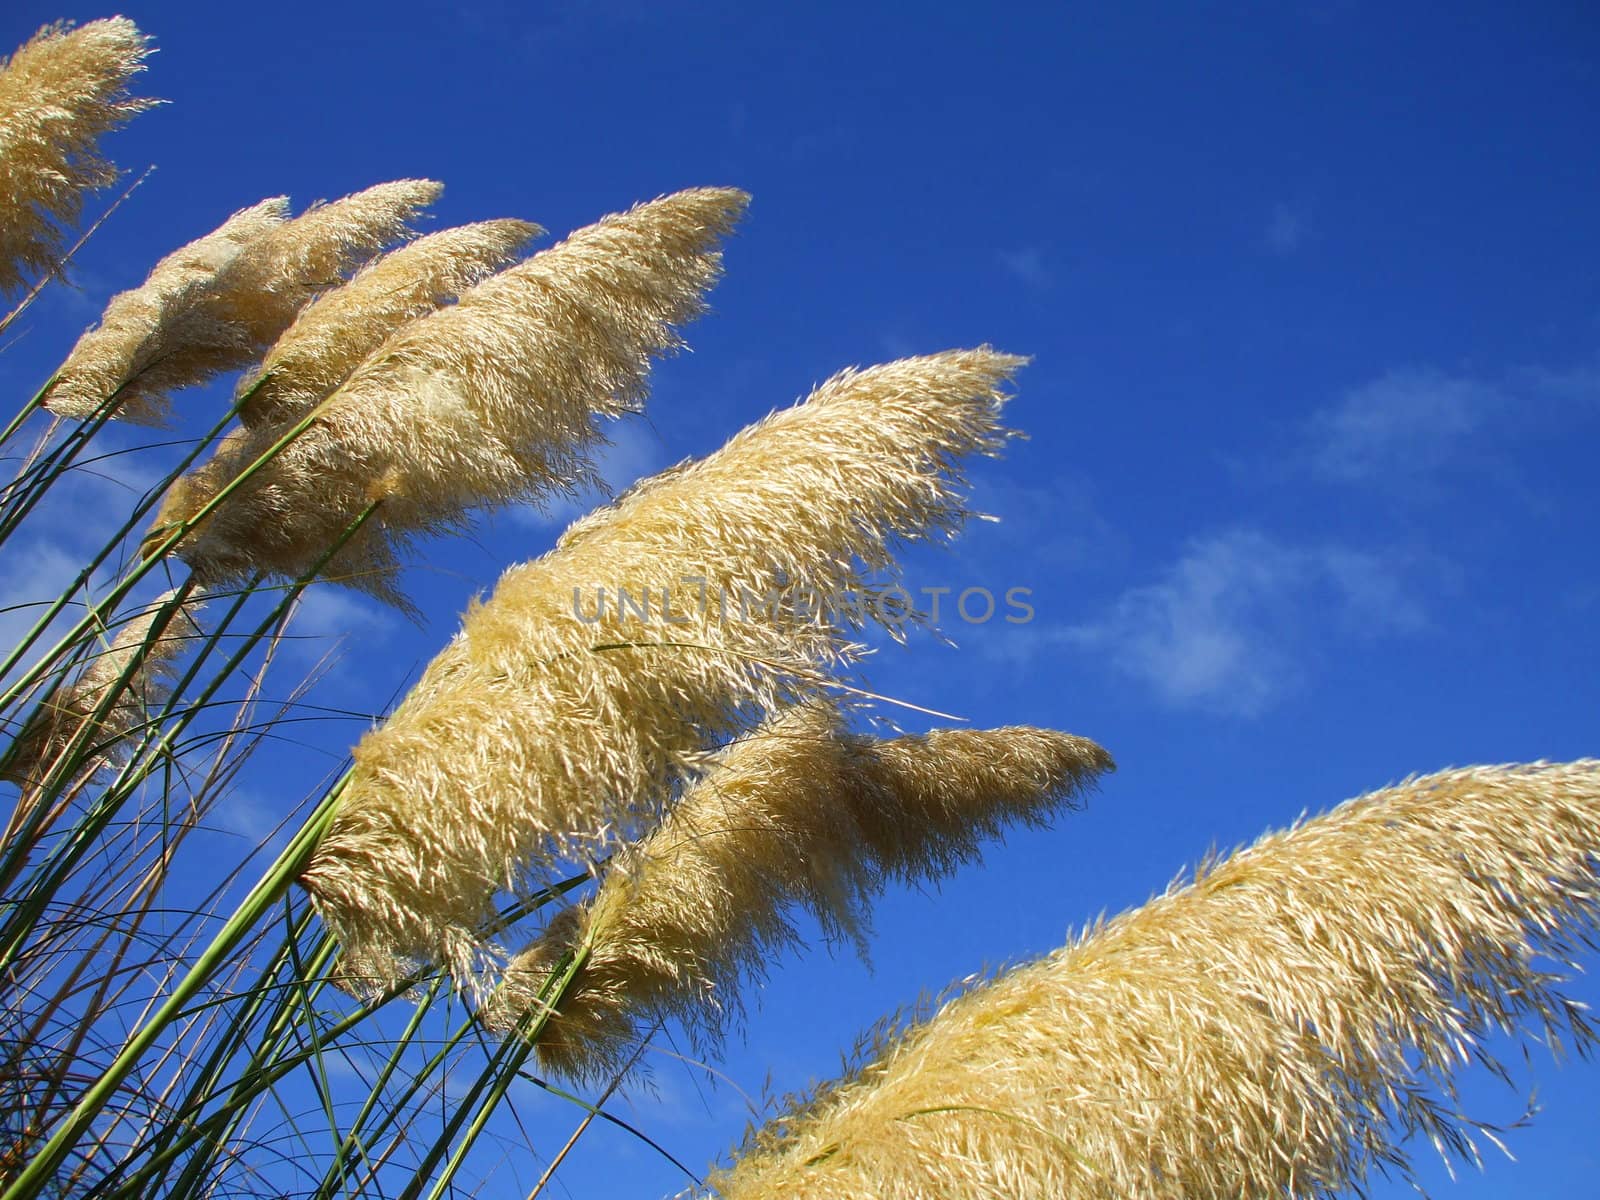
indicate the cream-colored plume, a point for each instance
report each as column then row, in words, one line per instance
column 216, row 304
column 262, row 290
column 51, row 730
column 557, row 721
column 493, row 399
column 336, row 331
column 59, row 93
column 162, row 335
column 798, row 813
column 1260, row 1032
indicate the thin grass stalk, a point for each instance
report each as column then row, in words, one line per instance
column 110, row 547
column 252, row 1085
column 303, row 1011
column 41, row 804
column 151, row 557
column 41, row 469
column 498, row 1078
column 133, row 772
column 436, row 1065
column 343, row 1165
column 26, row 411
column 588, row 1119
column 490, row 1087
column 599, row 1111
column 58, row 271
column 81, row 749
column 19, row 840
column 145, row 895
column 266, row 1070
column 33, row 1178
column 339, row 1170
column 143, row 888
column 228, row 1045
column 352, row 1146
column 294, row 1001
column 82, row 435
column 115, row 796
column 41, row 896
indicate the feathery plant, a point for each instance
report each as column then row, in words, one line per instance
column 579, row 826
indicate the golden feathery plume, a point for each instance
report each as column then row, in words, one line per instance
column 799, row 813
column 336, row 331
column 53, row 727
column 558, row 719
column 263, row 289
column 493, row 399
column 162, row 336
column 216, row 304
column 1274, row 1028
column 59, row 93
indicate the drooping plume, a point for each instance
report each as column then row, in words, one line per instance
column 558, row 719
column 493, row 399
column 800, row 813
column 336, row 331
column 52, row 729
column 59, row 93
column 218, row 303
column 1272, row 1029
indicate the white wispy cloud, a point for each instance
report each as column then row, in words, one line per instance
column 1407, row 427
column 1286, row 230
column 325, row 614
column 1402, row 425
column 35, row 572
column 1238, row 620
column 1027, row 265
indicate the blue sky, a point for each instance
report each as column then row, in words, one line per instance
column 1308, row 501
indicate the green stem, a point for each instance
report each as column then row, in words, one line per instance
column 164, row 542
column 265, row 1074
column 34, row 1177
column 493, row 1083
column 28, row 409
column 65, row 856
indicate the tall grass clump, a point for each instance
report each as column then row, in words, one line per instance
column 580, row 826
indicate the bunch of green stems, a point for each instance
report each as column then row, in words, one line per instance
column 231, row 1003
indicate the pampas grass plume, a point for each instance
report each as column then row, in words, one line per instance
column 162, row 335
column 543, row 731
column 335, row 332
column 217, row 303
column 489, row 400
column 798, row 813
column 1275, row 1028
column 59, row 93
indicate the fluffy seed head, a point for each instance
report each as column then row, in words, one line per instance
column 798, row 813
column 336, row 331
column 555, row 722
column 50, row 730
column 262, row 289
column 59, row 93
column 1259, row 1032
column 216, row 304
column 493, row 399
column 163, row 335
